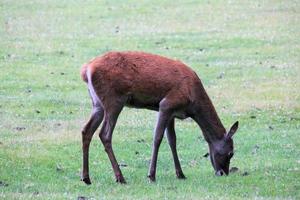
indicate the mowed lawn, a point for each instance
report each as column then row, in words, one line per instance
column 247, row 54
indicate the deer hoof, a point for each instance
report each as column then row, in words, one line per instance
column 86, row 180
column 120, row 179
column 180, row 175
column 151, row 178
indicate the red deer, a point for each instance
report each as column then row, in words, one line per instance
column 143, row 80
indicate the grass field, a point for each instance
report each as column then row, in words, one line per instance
column 246, row 53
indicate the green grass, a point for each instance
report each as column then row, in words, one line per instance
column 44, row 104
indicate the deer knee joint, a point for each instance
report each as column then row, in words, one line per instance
column 107, row 146
column 157, row 142
column 97, row 109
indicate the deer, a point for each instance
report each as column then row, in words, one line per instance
column 148, row 81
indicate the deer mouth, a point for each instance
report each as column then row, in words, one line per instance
column 220, row 173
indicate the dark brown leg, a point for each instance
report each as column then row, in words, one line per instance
column 172, row 142
column 87, row 134
column 163, row 120
column 106, row 132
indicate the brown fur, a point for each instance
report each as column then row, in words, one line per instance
column 143, row 80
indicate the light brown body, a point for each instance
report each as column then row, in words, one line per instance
column 143, row 80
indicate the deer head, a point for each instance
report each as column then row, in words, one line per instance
column 222, row 151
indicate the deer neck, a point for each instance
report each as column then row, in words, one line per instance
column 207, row 118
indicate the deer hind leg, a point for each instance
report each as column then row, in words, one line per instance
column 171, row 135
column 110, row 119
column 87, row 134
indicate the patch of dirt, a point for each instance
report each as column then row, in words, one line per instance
column 221, row 75
column 82, row 198
column 19, row 128
column 59, row 167
column 141, row 141
column 3, row 184
column 245, row 174
column 123, row 165
column 255, row 149
column 206, row 155
column 233, row 169
column 57, row 124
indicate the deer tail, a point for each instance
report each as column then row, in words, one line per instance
column 83, row 73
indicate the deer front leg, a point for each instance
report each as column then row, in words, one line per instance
column 162, row 122
column 172, row 142
column 87, row 134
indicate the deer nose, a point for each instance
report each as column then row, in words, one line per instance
column 220, row 172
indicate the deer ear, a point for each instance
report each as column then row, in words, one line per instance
column 233, row 129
